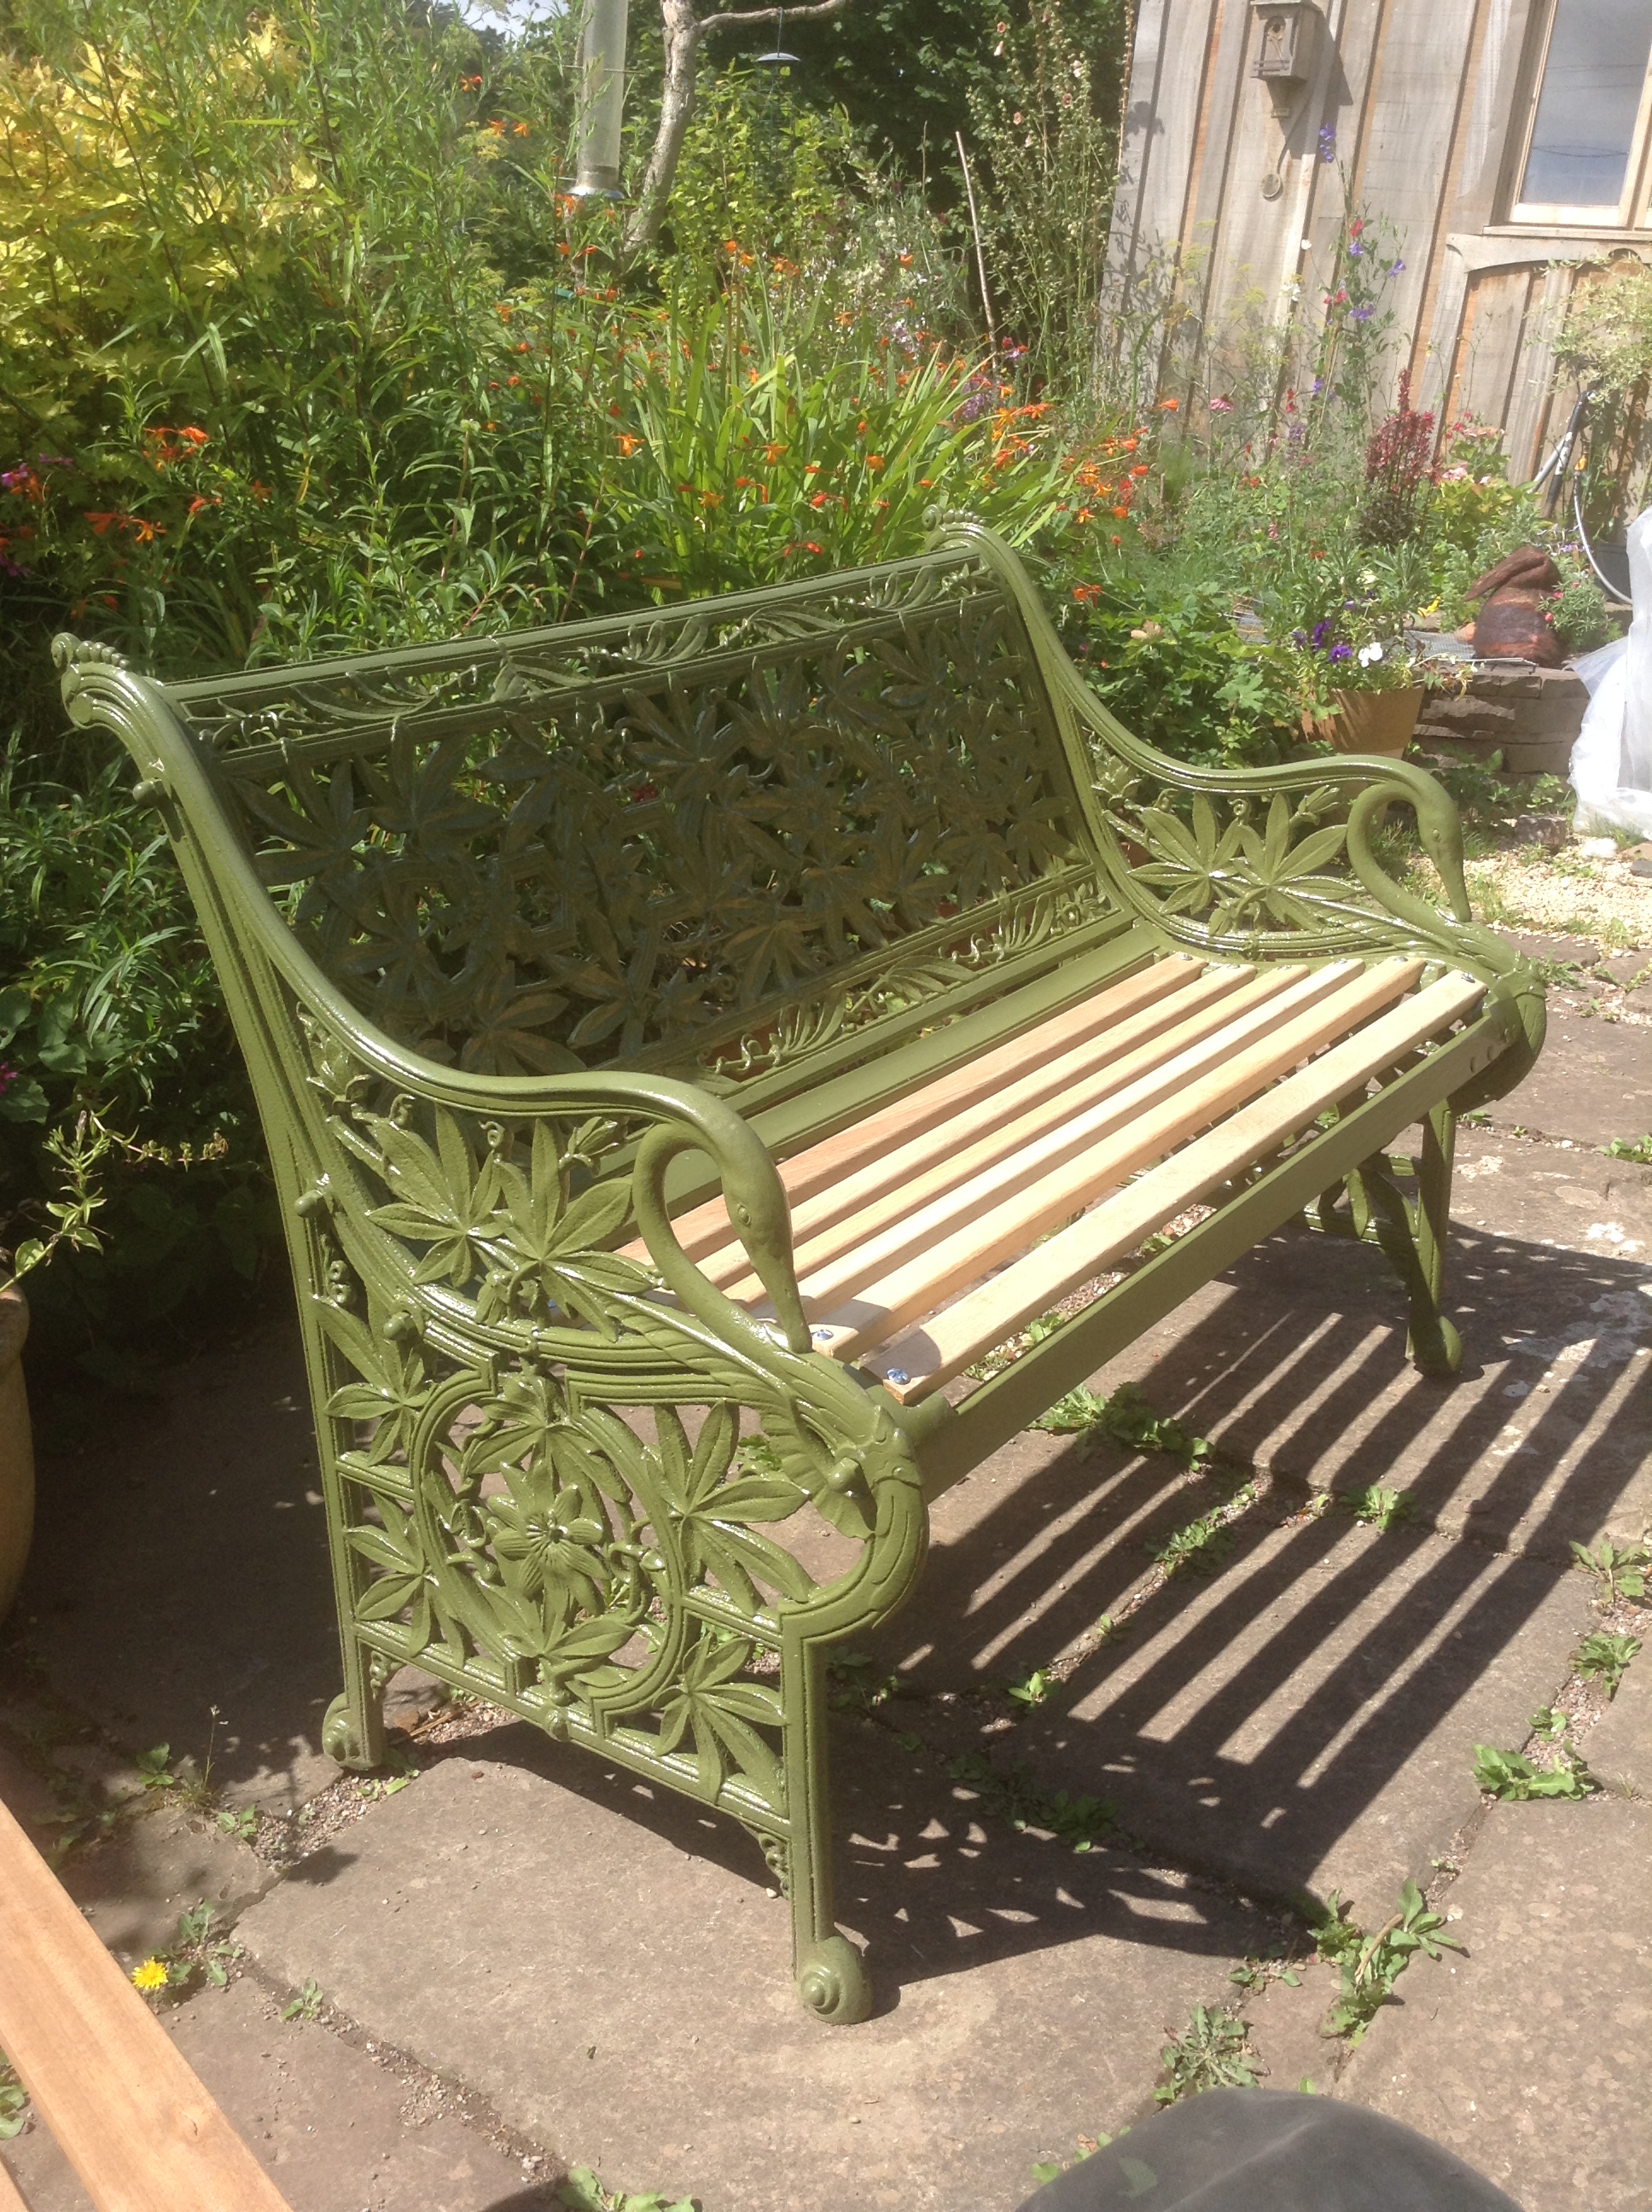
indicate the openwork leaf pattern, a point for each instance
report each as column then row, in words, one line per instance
column 580, row 855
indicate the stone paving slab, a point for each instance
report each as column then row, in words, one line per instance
column 1528, row 2057
column 1592, row 1081
column 1295, row 1362
column 610, row 1969
column 182, row 1564
column 1617, row 1749
column 329, row 2123
column 1302, row 1719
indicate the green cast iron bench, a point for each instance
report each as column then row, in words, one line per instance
column 689, row 1041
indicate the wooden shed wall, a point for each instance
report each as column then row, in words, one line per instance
column 1424, row 98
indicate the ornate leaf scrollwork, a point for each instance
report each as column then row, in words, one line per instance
column 1227, row 873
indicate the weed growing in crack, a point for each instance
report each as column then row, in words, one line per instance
column 1622, row 1570
column 1511, row 1776
column 1204, row 1545
column 853, row 1684
column 1370, row 1966
column 1014, row 1797
column 306, row 2005
column 1604, row 1658
column 1630, row 1148
column 1136, row 2171
column 1380, row 1509
column 1127, row 1418
column 1210, row 2053
column 1032, row 1690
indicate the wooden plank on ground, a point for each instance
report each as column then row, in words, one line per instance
column 951, row 1341
column 11, row 2199
column 127, row 2112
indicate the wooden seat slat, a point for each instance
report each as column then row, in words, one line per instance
column 704, row 1229
column 872, row 1308
column 906, row 1175
column 954, row 1180
column 974, row 1324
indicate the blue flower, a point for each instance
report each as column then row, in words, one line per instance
column 1341, row 653
column 1362, row 315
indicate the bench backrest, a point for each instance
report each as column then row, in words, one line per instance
column 699, row 841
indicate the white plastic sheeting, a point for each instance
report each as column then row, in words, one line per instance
column 1612, row 761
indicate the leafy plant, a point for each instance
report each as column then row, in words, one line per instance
column 195, row 1951
column 1124, row 1418
column 1032, row 1690
column 583, row 2192
column 1209, row 2053
column 1510, row 1775
column 242, row 1823
column 1638, row 1149
column 14, row 2103
column 1203, row 1545
column 1379, row 1509
column 1083, row 1822
column 1605, row 1657
column 155, row 1768
column 1622, row 1568
column 1370, row 1966
column 306, row 2005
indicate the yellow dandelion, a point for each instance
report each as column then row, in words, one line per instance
column 151, row 1975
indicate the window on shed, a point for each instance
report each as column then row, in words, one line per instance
column 1586, row 159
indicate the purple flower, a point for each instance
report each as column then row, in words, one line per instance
column 52, row 461
column 1341, row 653
column 1362, row 315
column 1221, row 406
column 1318, row 385
column 1355, row 249
column 1328, row 141
column 1320, row 629
column 10, row 478
column 8, row 1077
column 1299, row 637
column 1394, row 268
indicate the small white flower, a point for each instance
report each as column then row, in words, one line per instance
column 1367, row 654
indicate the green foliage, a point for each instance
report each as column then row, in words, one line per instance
column 1013, row 1796
column 766, row 441
column 583, row 2192
column 306, row 2005
column 1622, row 1568
column 14, row 2103
column 1605, row 1657
column 1371, row 1966
column 1378, row 1508
column 855, row 1684
column 155, row 1768
column 1032, row 1690
column 1606, row 340
column 1630, row 1148
column 1508, row 1775
column 1046, row 123
column 1124, row 1418
column 1209, row 2053
column 196, row 1955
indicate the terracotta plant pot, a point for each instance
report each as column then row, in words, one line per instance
column 1370, row 721
column 16, row 1449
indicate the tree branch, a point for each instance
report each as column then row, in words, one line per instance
column 683, row 32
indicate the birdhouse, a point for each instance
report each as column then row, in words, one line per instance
column 1285, row 45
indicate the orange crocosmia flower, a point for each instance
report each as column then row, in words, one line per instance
column 821, row 498
column 711, row 499
column 101, row 523
column 259, row 491
column 874, row 460
column 744, row 483
column 496, row 125
column 519, row 130
column 1129, row 445
column 772, row 454
column 1169, row 405
column 192, row 436
column 147, row 532
column 1121, row 514
column 628, row 444
column 1141, row 469
column 198, row 503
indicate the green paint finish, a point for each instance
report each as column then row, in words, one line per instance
column 527, row 938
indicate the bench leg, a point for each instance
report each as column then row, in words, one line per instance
column 831, row 1976
column 353, row 1732
column 1414, row 1237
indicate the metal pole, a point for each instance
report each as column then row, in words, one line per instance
column 601, row 99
